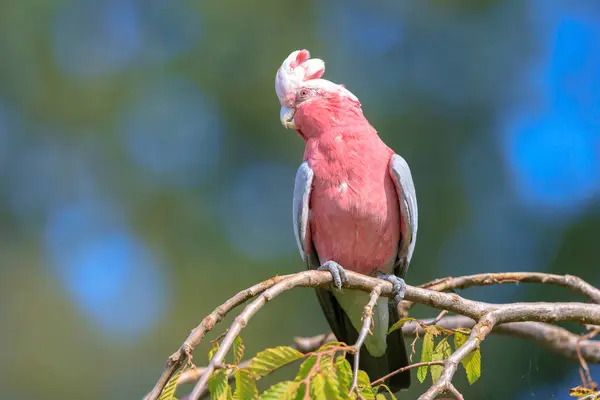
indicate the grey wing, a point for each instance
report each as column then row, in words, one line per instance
column 407, row 198
column 301, row 212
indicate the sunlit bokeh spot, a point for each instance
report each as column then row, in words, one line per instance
column 173, row 132
column 111, row 275
column 553, row 152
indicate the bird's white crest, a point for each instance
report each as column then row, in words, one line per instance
column 297, row 70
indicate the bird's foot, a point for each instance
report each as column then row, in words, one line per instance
column 337, row 272
column 399, row 286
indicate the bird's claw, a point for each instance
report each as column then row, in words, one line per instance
column 399, row 286
column 337, row 272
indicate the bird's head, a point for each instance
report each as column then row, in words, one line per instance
column 300, row 89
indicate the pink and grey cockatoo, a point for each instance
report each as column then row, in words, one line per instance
column 354, row 207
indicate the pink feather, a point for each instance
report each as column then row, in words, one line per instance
column 355, row 217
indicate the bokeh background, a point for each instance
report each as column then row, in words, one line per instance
column 145, row 176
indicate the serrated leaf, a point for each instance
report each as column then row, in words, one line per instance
column 332, row 386
column 387, row 389
column 305, row 368
column 238, row 350
column 168, row 393
column 399, row 324
column 442, row 351
column 472, row 362
column 285, row 390
column 269, row 360
column 218, row 386
column 380, row 396
column 245, row 385
column 459, row 339
column 317, row 387
column 364, row 385
column 343, row 372
column 426, row 356
column 326, row 363
column 329, row 345
column 472, row 365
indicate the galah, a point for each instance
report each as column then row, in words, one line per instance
column 354, row 207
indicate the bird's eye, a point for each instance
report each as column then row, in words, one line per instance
column 303, row 93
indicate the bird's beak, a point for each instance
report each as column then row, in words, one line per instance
column 286, row 115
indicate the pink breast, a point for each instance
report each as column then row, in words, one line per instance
column 355, row 218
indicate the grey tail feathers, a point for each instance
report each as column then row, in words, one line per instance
column 395, row 356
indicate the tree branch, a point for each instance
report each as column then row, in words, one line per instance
column 177, row 359
column 362, row 335
column 571, row 282
column 488, row 315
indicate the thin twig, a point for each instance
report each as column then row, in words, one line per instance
column 478, row 334
column 437, row 319
column 455, row 392
column 362, row 335
column 406, row 368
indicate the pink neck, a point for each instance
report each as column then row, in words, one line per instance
column 337, row 115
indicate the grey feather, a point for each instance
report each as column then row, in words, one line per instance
column 407, row 199
column 302, row 186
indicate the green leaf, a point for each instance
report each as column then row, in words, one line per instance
column 426, row 356
column 332, row 386
column 459, row 339
column 269, row 360
column 218, row 386
column 326, row 363
column 317, row 387
column 472, row 362
column 329, row 345
column 285, row 390
column 344, row 375
column 399, row 324
column 212, row 351
column 442, row 352
column 168, row 393
column 245, row 385
column 238, row 350
column 364, row 385
column 305, row 368
column 387, row 389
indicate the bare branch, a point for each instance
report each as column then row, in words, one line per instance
column 571, row 282
column 177, row 359
column 489, row 315
column 574, row 283
column 362, row 335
